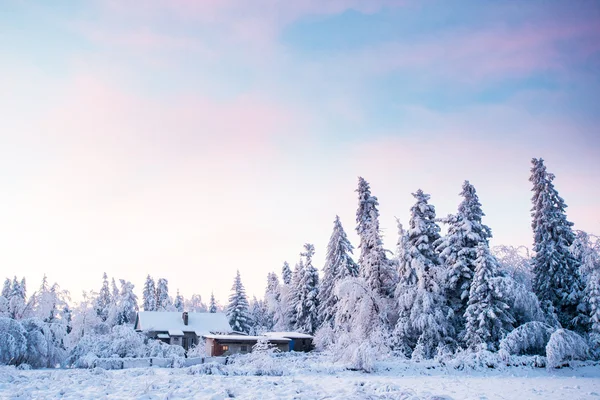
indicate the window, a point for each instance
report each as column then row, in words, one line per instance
column 225, row 347
column 244, row 349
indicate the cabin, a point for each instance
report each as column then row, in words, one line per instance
column 298, row 341
column 226, row 345
column 181, row 328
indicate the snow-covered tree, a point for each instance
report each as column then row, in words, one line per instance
column 514, row 262
column 179, row 301
column 115, row 291
column 593, row 295
column 149, row 294
column 272, row 300
column 307, row 319
column 488, row 318
column 163, row 300
column 565, row 346
column 126, row 307
column 13, row 341
column 45, row 343
column 238, row 307
column 17, row 300
column 557, row 281
column 424, row 316
column 458, row 251
column 85, row 320
column 375, row 267
column 7, row 289
column 286, row 273
column 195, row 304
column 259, row 315
column 212, row 308
column 104, row 300
column 292, row 297
column 338, row 265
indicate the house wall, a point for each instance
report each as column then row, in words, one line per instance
column 213, row 347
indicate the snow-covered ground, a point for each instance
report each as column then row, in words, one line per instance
column 304, row 378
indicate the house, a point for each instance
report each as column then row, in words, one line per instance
column 298, row 341
column 183, row 329
column 226, row 345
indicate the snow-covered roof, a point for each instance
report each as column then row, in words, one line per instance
column 175, row 332
column 163, row 336
column 291, row 335
column 245, row 338
column 166, row 321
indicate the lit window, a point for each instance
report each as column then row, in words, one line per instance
column 225, row 347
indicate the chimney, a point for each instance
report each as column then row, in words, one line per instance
column 185, row 318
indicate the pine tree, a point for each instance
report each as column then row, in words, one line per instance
column 149, row 294
column 338, row 265
column 423, row 322
column 286, row 273
column 238, row 308
column 272, row 301
column 557, row 281
column 212, row 308
column 488, row 317
column 458, row 251
column 7, row 289
column 374, row 264
column 594, row 302
column 307, row 319
column 115, row 291
column 178, row 302
column 163, row 301
column 17, row 299
column 292, row 298
column 104, row 300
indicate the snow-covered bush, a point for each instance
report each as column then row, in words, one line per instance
column 524, row 304
column 13, row 343
column 530, row 338
column 45, row 342
column 565, row 346
column 324, row 337
column 197, row 350
column 261, row 361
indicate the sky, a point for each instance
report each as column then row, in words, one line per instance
column 188, row 139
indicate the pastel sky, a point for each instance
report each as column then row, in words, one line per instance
column 187, row 139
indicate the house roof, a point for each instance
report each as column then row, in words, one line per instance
column 291, row 335
column 165, row 321
column 244, row 338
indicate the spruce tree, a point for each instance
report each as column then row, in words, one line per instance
column 557, row 281
column 307, row 319
column 104, row 299
column 178, row 304
column 458, row 251
column 163, row 300
column 593, row 289
column 212, row 308
column 127, row 304
column 238, row 308
column 149, row 294
column 293, row 296
column 286, row 273
column 17, row 299
column 375, row 267
column 338, row 265
column 488, row 317
column 423, row 323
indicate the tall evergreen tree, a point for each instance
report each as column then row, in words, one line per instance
column 7, row 289
column 212, row 308
column 178, row 304
column 163, row 300
column 286, row 273
column 423, row 323
column 238, row 308
column 375, row 267
column 338, row 265
column 149, row 294
column 458, row 251
column 104, row 299
column 556, row 281
column 17, row 299
column 594, row 303
column 488, row 317
column 307, row 319
column 115, row 291
column 293, row 295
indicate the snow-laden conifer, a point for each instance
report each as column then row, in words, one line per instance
column 423, row 313
column 307, row 317
column 212, row 307
column 557, row 281
column 488, row 317
column 163, row 300
column 238, row 307
column 458, row 251
column 179, row 301
column 286, row 273
column 374, row 265
column 149, row 294
column 338, row 265
column 7, row 289
column 127, row 306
